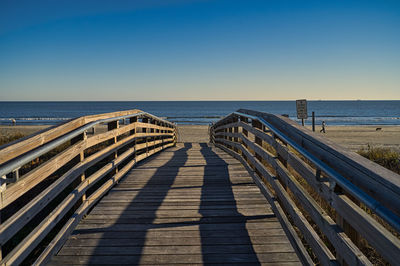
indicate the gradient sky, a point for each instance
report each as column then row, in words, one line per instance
column 199, row 50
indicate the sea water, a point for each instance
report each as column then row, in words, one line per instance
column 204, row 112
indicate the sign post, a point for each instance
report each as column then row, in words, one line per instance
column 301, row 106
column 313, row 121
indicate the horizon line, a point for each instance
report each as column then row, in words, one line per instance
column 314, row 100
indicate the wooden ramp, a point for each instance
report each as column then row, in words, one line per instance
column 190, row 204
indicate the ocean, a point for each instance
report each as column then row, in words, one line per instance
column 205, row 112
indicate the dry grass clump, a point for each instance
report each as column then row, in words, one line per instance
column 9, row 138
column 385, row 157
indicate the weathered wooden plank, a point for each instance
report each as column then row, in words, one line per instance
column 375, row 180
column 91, row 118
column 61, row 237
column 290, row 231
column 25, row 214
column 180, row 259
column 111, row 227
column 34, row 177
column 16, row 149
column 186, row 220
column 177, row 249
column 194, row 210
column 342, row 243
column 180, row 241
column 40, row 173
column 172, row 233
column 34, row 238
column 310, row 235
column 379, row 237
column 157, row 141
column 135, row 207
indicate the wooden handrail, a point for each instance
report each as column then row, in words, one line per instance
column 308, row 173
column 62, row 189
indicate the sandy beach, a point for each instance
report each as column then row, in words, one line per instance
column 351, row 137
column 24, row 130
column 358, row 137
column 193, row 133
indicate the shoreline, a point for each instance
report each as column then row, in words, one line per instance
column 353, row 138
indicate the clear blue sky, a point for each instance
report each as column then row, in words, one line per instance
column 199, row 50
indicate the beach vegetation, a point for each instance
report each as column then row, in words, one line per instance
column 4, row 139
column 385, row 157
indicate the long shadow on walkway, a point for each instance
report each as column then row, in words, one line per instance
column 223, row 234
column 151, row 201
column 234, row 244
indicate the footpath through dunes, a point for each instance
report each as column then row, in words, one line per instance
column 190, row 204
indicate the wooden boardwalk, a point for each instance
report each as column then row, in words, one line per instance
column 190, row 204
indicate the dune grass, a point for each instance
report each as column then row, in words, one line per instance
column 9, row 138
column 385, row 157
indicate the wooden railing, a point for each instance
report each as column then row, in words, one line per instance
column 339, row 203
column 50, row 180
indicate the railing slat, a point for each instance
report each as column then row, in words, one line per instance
column 157, row 135
column 62, row 236
column 277, row 209
column 312, row 237
column 284, row 136
column 378, row 237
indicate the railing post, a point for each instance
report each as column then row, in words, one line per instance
column 81, row 156
column 246, row 134
column 230, row 131
column 257, row 124
column 236, row 131
column 346, row 227
column 144, row 120
column 113, row 125
column 214, row 137
column 157, row 123
column 174, row 130
column 280, row 159
column 225, row 136
column 2, row 188
column 211, row 133
column 133, row 132
column 153, row 122
column 144, row 130
column 161, row 132
column 131, row 121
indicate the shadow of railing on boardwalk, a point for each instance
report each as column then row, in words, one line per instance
column 213, row 243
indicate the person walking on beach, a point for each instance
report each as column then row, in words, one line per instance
column 323, row 127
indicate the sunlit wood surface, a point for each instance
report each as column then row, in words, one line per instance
column 191, row 204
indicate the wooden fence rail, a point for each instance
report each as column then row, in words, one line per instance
column 50, row 180
column 336, row 199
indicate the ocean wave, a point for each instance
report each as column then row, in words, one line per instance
column 35, row 118
column 207, row 119
column 191, row 117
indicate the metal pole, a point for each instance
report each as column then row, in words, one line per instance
column 302, row 122
column 313, row 121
